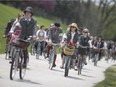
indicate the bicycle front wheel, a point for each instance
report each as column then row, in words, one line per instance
column 67, row 65
column 80, row 65
column 22, row 68
column 7, row 51
column 51, row 61
column 14, row 65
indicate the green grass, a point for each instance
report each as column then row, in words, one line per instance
column 110, row 78
column 8, row 12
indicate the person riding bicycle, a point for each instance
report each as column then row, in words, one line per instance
column 40, row 40
column 28, row 25
column 6, row 31
column 54, row 37
column 15, row 31
column 71, row 36
column 83, row 42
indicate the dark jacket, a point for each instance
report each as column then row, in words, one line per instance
column 8, row 27
column 84, row 41
column 75, row 39
column 54, row 34
column 28, row 29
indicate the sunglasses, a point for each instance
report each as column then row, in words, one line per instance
column 85, row 32
column 73, row 27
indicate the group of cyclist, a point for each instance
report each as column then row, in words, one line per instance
column 82, row 43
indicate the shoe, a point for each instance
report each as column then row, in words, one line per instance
column 85, row 63
column 24, row 66
column 75, row 68
column 54, row 65
column 61, row 67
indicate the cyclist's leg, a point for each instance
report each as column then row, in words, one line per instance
column 25, row 52
column 63, row 60
column 48, row 50
column 55, row 56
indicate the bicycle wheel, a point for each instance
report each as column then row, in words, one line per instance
column 67, row 66
column 7, row 51
column 38, row 51
column 80, row 65
column 22, row 69
column 14, row 65
column 45, row 53
column 51, row 61
column 96, row 60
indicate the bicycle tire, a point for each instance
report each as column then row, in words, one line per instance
column 38, row 51
column 14, row 65
column 22, row 71
column 51, row 61
column 96, row 60
column 67, row 66
column 7, row 51
column 80, row 66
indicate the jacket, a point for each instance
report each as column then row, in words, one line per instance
column 75, row 38
column 28, row 29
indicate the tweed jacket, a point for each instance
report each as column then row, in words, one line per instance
column 28, row 29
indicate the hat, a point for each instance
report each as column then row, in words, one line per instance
column 29, row 9
column 57, row 24
column 74, row 25
column 85, row 30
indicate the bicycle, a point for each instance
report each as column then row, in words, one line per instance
column 68, row 51
column 51, row 55
column 8, row 48
column 40, row 45
column 18, row 58
column 96, row 55
column 45, row 50
column 81, row 59
column 32, row 48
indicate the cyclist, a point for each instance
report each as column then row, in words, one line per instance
column 83, row 42
column 47, row 35
column 6, row 31
column 72, row 36
column 28, row 25
column 54, row 37
column 15, row 31
column 100, row 44
column 40, row 41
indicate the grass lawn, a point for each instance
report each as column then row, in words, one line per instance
column 110, row 78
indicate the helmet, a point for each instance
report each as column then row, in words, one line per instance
column 85, row 30
column 29, row 9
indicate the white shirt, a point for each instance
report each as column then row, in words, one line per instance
column 15, row 24
column 41, row 34
column 72, row 36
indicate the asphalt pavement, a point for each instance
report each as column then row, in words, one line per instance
column 38, row 74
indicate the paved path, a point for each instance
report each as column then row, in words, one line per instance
column 39, row 75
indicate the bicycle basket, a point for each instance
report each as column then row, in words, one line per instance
column 113, row 51
column 97, row 50
column 21, row 43
column 69, row 50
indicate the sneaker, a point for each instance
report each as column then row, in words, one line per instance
column 85, row 63
column 61, row 67
column 54, row 65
